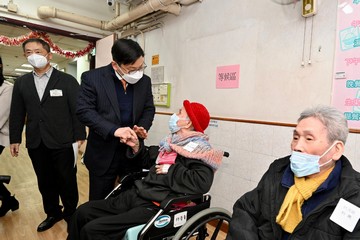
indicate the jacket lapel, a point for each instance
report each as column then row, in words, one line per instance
column 137, row 92
column 111, row 92
column 54, row 78
column 30, row 83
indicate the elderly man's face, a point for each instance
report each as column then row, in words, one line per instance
column 310, row 136
column 182, row 113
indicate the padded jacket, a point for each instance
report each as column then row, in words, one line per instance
column 185, row 176
column 255, row 212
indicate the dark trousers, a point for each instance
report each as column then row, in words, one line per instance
column 110, row 218
column 56, row 175
column 101, row 186
column 4, row 193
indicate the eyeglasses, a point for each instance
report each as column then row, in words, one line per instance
column 142, row 68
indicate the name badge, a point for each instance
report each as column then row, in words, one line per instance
column 346, row 215
column 190, row 146
column 56, row 93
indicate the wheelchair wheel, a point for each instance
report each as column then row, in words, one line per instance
column 197, row 227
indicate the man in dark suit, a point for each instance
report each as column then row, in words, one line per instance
column 113, row 100
column 46, row 99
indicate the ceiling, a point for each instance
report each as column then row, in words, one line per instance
column 13, row 58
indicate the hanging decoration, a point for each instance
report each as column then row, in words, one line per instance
column 17, row 41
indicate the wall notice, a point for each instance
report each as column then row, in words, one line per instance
column 228, row 76
column 346, row 81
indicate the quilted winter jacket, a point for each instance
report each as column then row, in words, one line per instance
column 186, row 176
column 255, row 212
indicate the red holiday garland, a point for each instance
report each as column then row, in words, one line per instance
column 17, row 41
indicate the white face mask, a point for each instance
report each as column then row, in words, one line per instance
column 37, row 60
column 130, row 78
column 134, row 77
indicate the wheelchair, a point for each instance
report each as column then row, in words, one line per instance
column 179, row 218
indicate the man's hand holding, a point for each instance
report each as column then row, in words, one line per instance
column 126, row 134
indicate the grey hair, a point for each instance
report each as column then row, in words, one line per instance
column 334, row 121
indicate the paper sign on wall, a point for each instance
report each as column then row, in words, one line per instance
column 157, row 74
column 228, row 76
column 155, row 59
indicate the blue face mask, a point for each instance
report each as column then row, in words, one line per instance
column 303, row 164
column 173, row 123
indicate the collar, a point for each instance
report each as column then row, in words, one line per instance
column 333, row 179
column 47, row 73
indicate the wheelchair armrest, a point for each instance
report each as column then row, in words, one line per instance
column 169, row 201
column 130, row 178
column 139, row 175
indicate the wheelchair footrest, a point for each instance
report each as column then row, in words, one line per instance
column 132, row 233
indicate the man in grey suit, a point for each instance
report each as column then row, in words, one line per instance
column 45, row 100
column 113, row 100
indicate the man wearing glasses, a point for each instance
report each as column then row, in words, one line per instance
column 113, row 100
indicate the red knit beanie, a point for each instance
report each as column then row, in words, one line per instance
column 198, row 115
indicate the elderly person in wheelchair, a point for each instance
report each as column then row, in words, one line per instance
column 185, row 164
column 312, row 194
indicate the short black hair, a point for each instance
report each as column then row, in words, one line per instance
column 45, row 45
column 126, row 51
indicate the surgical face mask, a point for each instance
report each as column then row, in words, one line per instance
column 118, row 75
column 37, row 60
column 134, row 77
column 303, row 164
column 173, row 123
column 131, row 78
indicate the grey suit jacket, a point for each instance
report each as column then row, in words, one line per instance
column 98, row 108
column 53, row 119
column 5, row 101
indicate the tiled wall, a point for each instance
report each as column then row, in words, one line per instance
column 252, row 148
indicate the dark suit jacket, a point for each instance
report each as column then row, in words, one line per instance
column 53, row 119
column 98, row 108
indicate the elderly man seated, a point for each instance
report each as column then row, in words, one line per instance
column 312, row 194
column 185, row 164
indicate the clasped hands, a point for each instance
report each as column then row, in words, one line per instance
column 130, row 136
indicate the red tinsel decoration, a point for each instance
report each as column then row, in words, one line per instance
column 17, row 41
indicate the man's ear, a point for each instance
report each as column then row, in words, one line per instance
column 50, row 56
column 113, row 64
column 339, row 150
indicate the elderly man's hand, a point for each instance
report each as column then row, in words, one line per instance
column 162, row 168
column 140, row 132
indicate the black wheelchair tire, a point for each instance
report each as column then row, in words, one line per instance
column 200, row 219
